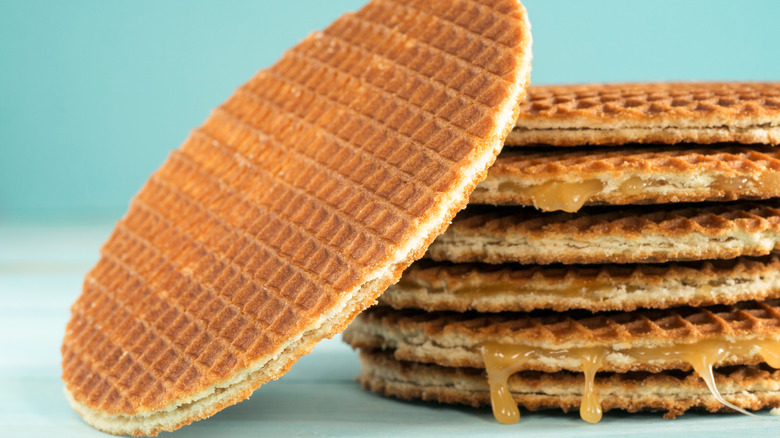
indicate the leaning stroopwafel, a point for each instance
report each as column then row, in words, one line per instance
column 297, row 202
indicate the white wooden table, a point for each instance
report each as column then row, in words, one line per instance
column 41, row 269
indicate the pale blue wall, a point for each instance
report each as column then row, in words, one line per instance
column 94, row 94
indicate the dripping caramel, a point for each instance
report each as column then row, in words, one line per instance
column 556, row 195
column 502, row 360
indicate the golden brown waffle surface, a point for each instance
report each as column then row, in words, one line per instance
column 625, row 234
column 294, row 205
column 454, row 339
column 748, row 387
column 507, row 287
column 548, row 177
column 617, row 114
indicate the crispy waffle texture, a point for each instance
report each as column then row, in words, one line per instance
column 665, row 113
column 454, row 339
column 625, row 234
column 465, row 287
column 748, row 387
column 638, row 175
column 292, row 208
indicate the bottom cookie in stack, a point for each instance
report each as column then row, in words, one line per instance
column 712, row 358
column 751, row 387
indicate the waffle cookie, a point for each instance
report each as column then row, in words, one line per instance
column 629, row 234
column 566, row 179
column 663, row 113
column 749, row 332
column 652, row 341
column 435, row 286
column 673, row 392
column 292, row 208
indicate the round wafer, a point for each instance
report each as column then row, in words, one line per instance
column 556, row 339
column 297, row 202
column 674, row 393
column 663, row 113
column 566, row 179
column 624, row 234
column 511, row 287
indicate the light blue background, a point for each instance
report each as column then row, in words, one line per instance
column 94, row 94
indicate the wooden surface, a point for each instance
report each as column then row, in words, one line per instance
column 41, row 269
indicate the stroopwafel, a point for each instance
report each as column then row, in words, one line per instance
column 660, row 113
column 297, row 202
column 508, row 287
column 566, row 179
column 622, row 234
column 748, row 387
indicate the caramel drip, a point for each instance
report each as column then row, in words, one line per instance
column 500, row 363
column 503, row 360
column 590, row 407
column 702, row 363
column 557, row 195
column 702, row 356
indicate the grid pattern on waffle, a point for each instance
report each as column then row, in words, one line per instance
column 308, row 178
column 687, row 102
column 747, row 318
column 632, row 175
column 665, row 233
column 566, row 164
column 454, row 275
column 624, row 220
column 505, row 287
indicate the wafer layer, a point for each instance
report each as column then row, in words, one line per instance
column 668, row 113
column 673, row 392
column 566, row 179
column 296, row 203
column 554, row 339
column 463, row 287
column 629, row 234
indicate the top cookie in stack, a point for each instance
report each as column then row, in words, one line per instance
column 668, row 194
column 661, row 113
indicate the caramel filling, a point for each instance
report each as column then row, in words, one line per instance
column 634, row 186
column 571, row 196
column 590, row 288
column 577, row 288
column 767, row 181
column 557, row 195
column 503, row 360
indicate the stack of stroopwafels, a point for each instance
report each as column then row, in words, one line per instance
column 655, row 287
